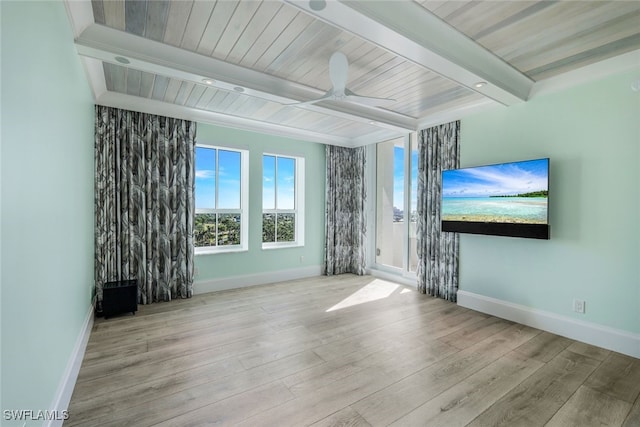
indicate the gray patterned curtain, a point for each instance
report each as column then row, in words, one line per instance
column 144, row 203
column 345, row 214
column 437, row 270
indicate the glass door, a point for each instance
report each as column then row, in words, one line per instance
column 390, row 203
column 396, row 201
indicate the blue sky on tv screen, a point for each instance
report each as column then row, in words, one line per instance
column 506, row 179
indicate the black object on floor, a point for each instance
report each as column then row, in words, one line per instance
column 119, row 297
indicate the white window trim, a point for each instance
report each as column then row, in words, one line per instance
column 244, row 204
column 298, row 204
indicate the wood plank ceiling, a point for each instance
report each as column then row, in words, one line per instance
column 545, row 38
column 263, row 55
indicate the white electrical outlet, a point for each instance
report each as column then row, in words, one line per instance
column 578, row 306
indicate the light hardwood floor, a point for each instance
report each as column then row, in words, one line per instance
column 326, row 352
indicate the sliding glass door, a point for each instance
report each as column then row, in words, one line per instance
column 396, row 201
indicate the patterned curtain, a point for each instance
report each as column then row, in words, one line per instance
column 437, row 270
column 144, row 203
column 345, row 214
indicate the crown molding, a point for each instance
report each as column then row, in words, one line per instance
column 596, row 71
column 152, row 106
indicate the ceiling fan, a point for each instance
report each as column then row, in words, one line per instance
column 338, row 73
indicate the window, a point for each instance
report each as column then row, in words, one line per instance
column 221, row 199
column 282, row 201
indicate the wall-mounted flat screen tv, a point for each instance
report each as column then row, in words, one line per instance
column 507, row 199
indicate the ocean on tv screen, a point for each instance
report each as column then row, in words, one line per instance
column 505, row 193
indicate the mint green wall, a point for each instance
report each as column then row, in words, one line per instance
column 256, row 260
column 47, row 201
column 591, row 134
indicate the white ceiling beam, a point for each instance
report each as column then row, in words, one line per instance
column 407, row 29
column 105, row 44
column 152, row 106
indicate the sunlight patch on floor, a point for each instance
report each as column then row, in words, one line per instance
column 405, row 291
column 376, row 290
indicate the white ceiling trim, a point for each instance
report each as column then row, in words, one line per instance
column 374, row 138
column 105, row 44
column 152, row 106
column 407, row 29
column 618, row 64
column 457, row 113
column 80, row 14
column 95, row 75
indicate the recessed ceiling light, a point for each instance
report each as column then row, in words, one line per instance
column 317, row 4
column 122, row 60
column 208, row 81
column 480, row 84
column 372, row 122
column 238, row 89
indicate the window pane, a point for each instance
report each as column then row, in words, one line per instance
column 398, row 183
column 286, row 183
column 268, row 228
column 286, row 227
column 413, row 248
column 268, row 182
column 205, row 230
column 228, row 179
column 205, row 178
column 228, row 229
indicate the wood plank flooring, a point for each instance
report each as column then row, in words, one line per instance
column 342, row 351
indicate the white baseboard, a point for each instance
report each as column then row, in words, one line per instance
column 591, row 333
column 65, row 388
column 247, row 280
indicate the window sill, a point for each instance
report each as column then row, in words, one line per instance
column 270, row 246
column 206, row 251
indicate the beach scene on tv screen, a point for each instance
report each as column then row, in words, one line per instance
column 504, row 193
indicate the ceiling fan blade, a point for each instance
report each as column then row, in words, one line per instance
column 301, row 104
column 338, row 71
column 367, row 100
column 328, row 95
